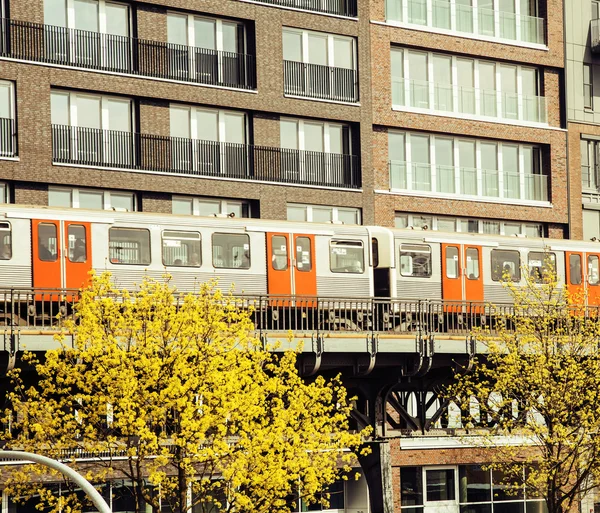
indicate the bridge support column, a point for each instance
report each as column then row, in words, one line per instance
column 377, row 468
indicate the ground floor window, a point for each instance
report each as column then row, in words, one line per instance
column 323, row 214
column 186, row 205
column 93, row 199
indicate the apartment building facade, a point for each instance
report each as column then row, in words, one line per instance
column 436, row 114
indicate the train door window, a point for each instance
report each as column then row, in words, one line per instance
column 415, row 260
column 506, row 265
column 5, row 241
column 129, row 246
column 451, row 262
column 593, row 277
column 181, row 249
column 540, row 264
column 231, row 251
column 279, row 259
column 346, row 256
column 77, row 243
column 575, row 269
column 47, row 242
column 375, row 251
column 303, row 254
column 472, row 255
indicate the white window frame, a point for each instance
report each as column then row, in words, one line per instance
column 224, row 204
column 12, row 116
column 405, row 84
column 191, row 29
column 454, row 16
column 330, row 45
column 334, row 212
column 427, row 503
column 588, row 83
column 106, row 195
column 326, row 136
column 479, row 166
column 70, row 15
column 221, row 132
column 104, row 115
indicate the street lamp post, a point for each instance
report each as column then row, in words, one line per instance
column 77, row 478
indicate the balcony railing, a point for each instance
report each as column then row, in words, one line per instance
column 595, row 36
column 468, row 100
column 119, row 54
column 8, row 138
column 337, row 7
column 452, row 16
column 318, row 81
column 464, row 181
column 176, row 155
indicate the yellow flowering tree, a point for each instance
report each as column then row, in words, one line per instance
column 181, row 401
column 538, row 381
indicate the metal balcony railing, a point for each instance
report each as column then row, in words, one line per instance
column 338, row 7
column 8, row 137
column 465, row 181
column 129, row 150
column 318, row 81
column 595, row 36
column 120, row 54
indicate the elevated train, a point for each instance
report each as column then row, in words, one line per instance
column 53, row 248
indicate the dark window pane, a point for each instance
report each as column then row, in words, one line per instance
column 411, row 486
column 508, row 507
column 506, row 488
column 231, row 251
column 475, row 484
column 536, row 507
column 476, row 508
column 506, row 265
column 47, row 242
column 575, row 269
column 440, row 485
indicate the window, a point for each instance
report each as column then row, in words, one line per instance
column 181, row 249
column 415, row 260
column 279, row 248
column 7, row 120
column 303, row 254
column 231, row 251
column 91, row 199
column 336, row 499
column 5, row 241
column 77, row 243
column 451, row 262
column 506, row 265
column 346, row 256
column 129, row 246
column 210, row 207
column 89, row 15
column 318, row 48
column 314, row 136
column 466, row 167
column 541, row 264
column 440, row 485
column 588, row 89
column 411, row 487
column 590, row 152
column 47, row 242
column 451, row 86
column 593, row 272
column 323, row 214
column 575, row 269
column 472, row 255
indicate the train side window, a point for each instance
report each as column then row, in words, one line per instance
column 375, row 251
column 279, row 250
column 231, row 251
column 303, row 254
column 506, row 265
column 451, row 262
column 472, row 255
column 5, row 241
column 181, row 249
column 47, row 242
column 415, row 260
column 575, row 269
column 77, row 243
column 346, row 256
column 593, row 277
column 129, row 246
column 540, row 264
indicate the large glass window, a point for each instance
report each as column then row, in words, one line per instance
column 590, row 164
column 231, row 251
column 411, row 487
column 440, row 485
column 129, row 246
column 323, row 214
column 347, row 256
column 415, row 260
column 210, row 207
column 181, row 249
column 540, row 265
column 91, row 199
column 89, row 15
column 506, row 265
column 318, row 48
column 452, row 86
column 5, row 241
column 475, row 484
column 588, row 89
column 204, row 32
column 314, row 136
column 7, row 120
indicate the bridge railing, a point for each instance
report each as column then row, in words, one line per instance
column 47, row 309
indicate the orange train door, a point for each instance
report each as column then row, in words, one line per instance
column 592, row 277
column 291, row 265
column 61, row 254
column 575, row 276
column 462, row 276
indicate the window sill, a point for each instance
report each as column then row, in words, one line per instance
column 10, row 159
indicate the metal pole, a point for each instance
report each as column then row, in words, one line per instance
column 85, row 485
